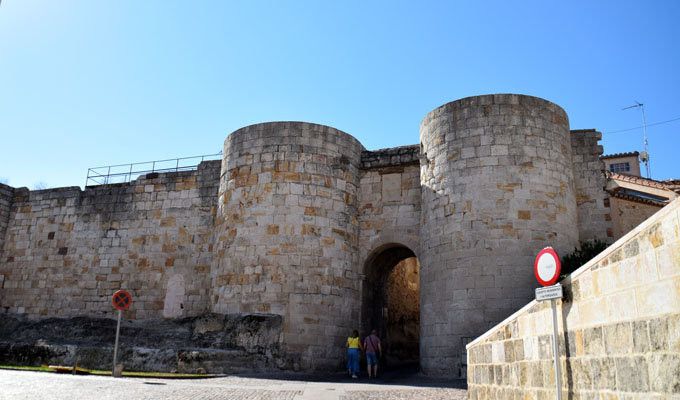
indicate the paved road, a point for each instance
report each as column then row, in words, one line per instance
column 40, row 385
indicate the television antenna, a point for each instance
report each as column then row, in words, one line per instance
column 644, row 156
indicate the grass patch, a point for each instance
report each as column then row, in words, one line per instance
column 129, row 374
column 42, row 368
column 164, row 375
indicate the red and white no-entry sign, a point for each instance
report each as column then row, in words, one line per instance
column 121, row 300
column 547, row 267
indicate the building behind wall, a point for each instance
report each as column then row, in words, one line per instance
column 623, row 163
column 633, row 198
column 299, row 220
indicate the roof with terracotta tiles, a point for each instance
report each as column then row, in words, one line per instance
column 619, row 194
column 638, row 180
column 620, row 155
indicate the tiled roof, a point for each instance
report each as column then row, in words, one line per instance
column 626, row 196
column 638, row 180
column 619, row 155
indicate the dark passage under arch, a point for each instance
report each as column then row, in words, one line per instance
column 391, row 303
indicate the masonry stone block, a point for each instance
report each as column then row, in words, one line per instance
column 664, row 373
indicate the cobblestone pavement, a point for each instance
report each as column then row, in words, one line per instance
column 39, row 385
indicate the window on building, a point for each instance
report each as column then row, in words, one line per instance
column 619, row 167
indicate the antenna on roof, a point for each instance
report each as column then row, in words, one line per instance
column 644, row 156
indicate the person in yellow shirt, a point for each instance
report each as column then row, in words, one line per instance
column 353, row 351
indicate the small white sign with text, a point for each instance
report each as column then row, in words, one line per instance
column 549, row 292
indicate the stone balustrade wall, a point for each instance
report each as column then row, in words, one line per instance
column 619, row 327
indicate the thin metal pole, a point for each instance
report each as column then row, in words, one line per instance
column 115, row 347
column 646, row 142
column 556, row 351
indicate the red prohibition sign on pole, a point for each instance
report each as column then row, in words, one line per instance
column 121, row 300
column 547, row 266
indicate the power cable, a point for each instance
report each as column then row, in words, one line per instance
column 639, row 127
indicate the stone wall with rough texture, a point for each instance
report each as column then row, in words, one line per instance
column 627, row 214
column 6, row 200
column 389, row 200
column 68, row 250
column 391, row 157
column 216, row 344
column 403, row 312
column 619, row 327
column 594, row 216
column 287, row 234
column 497, row 187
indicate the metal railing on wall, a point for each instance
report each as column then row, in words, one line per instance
column 124, row 173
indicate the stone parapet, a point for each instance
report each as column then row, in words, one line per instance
column 619, row 327
column 6, row 200
column 592, row 201
column 395, row 156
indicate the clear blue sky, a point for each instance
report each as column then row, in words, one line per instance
column 88, row 83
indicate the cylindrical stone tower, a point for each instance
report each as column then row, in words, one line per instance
column 286, row 235
column 497, row 186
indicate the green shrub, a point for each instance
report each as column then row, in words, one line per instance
column 574, row 260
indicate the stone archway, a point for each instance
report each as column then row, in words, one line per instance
column 391, row 302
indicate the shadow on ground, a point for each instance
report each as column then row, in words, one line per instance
column 406, row 376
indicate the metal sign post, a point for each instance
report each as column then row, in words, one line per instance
column 121, row 300
column 556, row 351
column 552, row 293
column 115, row 347
column 547, row 270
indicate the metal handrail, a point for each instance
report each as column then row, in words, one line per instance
column 104, row 175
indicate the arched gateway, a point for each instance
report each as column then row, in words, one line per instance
column 391, row 303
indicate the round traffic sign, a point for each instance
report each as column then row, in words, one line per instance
column 547, row 267
column 121, row 300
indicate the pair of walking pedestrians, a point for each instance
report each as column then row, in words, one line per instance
column 371, row 346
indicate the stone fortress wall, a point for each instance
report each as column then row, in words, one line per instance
column 300, row 221
column 66, row 250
